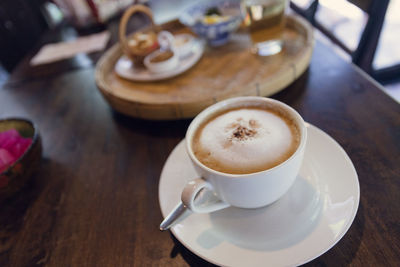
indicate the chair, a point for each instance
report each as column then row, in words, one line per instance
column 21, row 25
column 363, row 55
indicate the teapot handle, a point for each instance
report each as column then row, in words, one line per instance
column 124, row 21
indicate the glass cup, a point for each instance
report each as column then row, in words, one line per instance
column 265, row 21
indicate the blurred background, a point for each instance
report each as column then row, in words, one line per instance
column 366, row 32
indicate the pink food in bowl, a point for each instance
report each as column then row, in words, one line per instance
column 12, row 147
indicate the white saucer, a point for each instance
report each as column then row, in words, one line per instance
column 305, row 223
column 126, row 69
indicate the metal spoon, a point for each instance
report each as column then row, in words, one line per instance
column 175, row 215
column 203, row 198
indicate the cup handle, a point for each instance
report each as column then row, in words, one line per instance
column 192, row 189
column 166, row 40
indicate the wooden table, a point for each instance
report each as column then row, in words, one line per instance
column 94, row 201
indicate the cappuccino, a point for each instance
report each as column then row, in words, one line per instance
column 245, row 140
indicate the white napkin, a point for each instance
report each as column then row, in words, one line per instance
column 57, row 51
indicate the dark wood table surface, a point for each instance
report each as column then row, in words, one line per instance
column 94, row 200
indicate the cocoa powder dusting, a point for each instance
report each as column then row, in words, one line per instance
column 242, row 130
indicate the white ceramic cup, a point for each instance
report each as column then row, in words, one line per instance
column 184, row 44
column 251, row 190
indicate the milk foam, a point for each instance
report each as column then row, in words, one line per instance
column 245, row 139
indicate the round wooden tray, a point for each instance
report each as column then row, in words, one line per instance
column 223, row 72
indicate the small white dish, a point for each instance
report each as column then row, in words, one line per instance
column 162, row 66
column 305, row 223
column 127, row 70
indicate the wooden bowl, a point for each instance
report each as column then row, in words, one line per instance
column 13, row 178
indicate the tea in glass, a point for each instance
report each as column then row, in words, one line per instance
column 265, row 21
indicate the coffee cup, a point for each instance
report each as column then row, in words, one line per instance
column 248, row 152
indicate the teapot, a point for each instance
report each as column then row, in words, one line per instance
column 141, row 43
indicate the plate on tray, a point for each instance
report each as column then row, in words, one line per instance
column 126, row 69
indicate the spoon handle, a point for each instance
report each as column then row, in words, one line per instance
column 175, row 214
